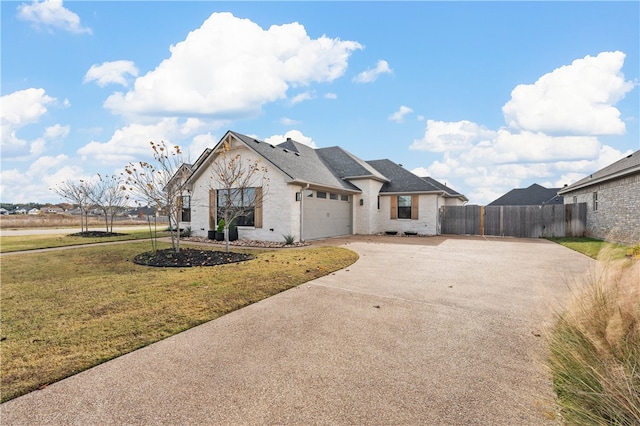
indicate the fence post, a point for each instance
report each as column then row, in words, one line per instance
column 482, row 221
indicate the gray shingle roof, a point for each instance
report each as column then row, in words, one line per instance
column 348, row 166
column 335, row 167
column 627, row 165
column 401, row 179
column 449, row 191
column 298, row 161
column 532, row 196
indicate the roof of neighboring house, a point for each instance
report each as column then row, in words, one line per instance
column 334, row 167
column 623, row 167
column 532, row 196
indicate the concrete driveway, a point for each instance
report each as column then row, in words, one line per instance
column 419, row 331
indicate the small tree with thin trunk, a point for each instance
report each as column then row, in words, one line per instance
column 109, row 195
column 241, row 185
column 160, row 184
column 77, row 193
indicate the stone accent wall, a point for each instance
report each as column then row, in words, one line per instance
column 617, row 217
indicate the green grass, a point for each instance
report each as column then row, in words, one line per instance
column 66, row 311
column 592, row 247
column 594, row 347
column 32, row 242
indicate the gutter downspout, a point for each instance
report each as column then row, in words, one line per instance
column 302, row 211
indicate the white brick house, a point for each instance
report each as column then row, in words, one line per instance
column 318, row 193
column 612, row 195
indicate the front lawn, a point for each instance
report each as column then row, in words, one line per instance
column 593, row 248
column 66, row 311
column 33, row 242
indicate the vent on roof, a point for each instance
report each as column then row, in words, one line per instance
column 285, row 150
column 297, row 154
column 271, row 146
column 288, row 139
column 256, row 141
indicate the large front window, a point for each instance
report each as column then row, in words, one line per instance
column 239, row 203
column 404, row 206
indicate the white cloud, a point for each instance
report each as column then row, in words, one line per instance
column 288, row 121
column 199, row 144
column 34, row 183
column 330, row 96
column 573, row 99
column 442, row 136
column 131, row 143
column 51, row 14
column 399, row 115
column 371, row 75
column 420, row 171
column 296, row 135
column 301, row 97
column 57, row 132
column 20, row 109
column 545, row 143
column 232, row 67
column 114, row 72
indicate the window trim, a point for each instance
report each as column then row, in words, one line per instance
column 185, row 212
column 395, row 206
column 256, row 201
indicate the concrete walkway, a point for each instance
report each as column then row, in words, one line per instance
column 442, row 331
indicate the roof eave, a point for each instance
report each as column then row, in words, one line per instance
column 620, row 174
column 323, row 186
column 374, row 177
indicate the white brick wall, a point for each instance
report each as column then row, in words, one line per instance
column 278, row 216
column 428, row 205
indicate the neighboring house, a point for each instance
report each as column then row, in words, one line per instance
column 20, row 211
column 318, row 193
column 3, row 211
column 52, row 210
column 33, row 211
column 533, row 195
column 612, row 195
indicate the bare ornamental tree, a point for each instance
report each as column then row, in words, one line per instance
column 160, row 184
column 77, row 193
column 109, row 195
column 240, row 187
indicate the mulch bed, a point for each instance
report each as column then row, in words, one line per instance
column 95, row 234
column 188, row 257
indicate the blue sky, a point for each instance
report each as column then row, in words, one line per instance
column 483, row 96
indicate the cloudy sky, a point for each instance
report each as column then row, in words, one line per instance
column 483, row 96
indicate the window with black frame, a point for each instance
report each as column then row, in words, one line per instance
column 186, row 208
column 404, row 206
column 240, row 202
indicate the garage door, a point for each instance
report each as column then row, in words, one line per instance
column 326, row 217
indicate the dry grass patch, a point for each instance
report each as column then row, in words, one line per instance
column 64, row 312
column 22, row 221
column 595, row 347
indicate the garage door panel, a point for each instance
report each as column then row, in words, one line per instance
column 324, row 217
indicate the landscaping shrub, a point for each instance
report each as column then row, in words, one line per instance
column 595, row 348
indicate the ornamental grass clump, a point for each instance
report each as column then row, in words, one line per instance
column 595, row 348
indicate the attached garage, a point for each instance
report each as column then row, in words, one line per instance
column 326, row 214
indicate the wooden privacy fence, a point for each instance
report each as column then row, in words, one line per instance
column 551, row 220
